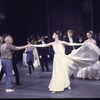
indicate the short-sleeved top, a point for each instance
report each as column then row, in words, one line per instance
column 6, row 50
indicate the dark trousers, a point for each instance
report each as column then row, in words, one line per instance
column 7, row 66
column 15, row 71
column 44, row 62
column 30, row 64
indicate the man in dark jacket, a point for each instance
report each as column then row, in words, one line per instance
column 69, row 38
column 43, row 54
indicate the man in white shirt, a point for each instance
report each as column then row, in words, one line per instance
column 71, row 39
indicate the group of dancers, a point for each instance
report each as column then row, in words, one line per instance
column 64, row 65
column 34, row 57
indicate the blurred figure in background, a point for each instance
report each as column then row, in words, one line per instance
column 30, row 57
column 35, row 53
column 98, row 42
column 98, row 39
column 32, row 39
column 64, row 37
column 36, row 61
column 80, row 39
column 69, row 38
column 43, row 54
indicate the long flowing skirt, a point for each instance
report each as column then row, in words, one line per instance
column 91, row 72
column 85, row 56
column 65, row 65
column 60, row 78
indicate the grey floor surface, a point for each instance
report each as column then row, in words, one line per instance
column 36, row 86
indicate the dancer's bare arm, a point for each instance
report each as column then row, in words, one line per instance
column 43, row 45
column 71, row 44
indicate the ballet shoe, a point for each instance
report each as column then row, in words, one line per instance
column 53, row 92
column 9, row 90
column 69, row 88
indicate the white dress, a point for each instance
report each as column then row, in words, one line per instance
column 90, row 72
column 36, row 61
column 65, row 65
column 60, row 78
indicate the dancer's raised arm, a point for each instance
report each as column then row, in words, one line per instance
column 71, row 44
column 43, row 45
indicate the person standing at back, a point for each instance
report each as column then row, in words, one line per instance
column 43, row 54
column 30, row 57
column 69, row 38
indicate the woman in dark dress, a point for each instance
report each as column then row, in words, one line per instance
column 30, row 57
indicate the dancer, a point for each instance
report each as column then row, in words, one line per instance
column 64, row 66
column 60, row 78
column 30, row 56
column 91, row 72
column 35, row 53
column 6, row 56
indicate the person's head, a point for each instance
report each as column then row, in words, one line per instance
column 79, row 36
column 32, row 37
column 38, row 37
column 64, row 36
column 29, row 40
column 70, row 33
column 56, row 34
column 89, row 34
column 42, row 38
column 1, row 40
column 9, row 39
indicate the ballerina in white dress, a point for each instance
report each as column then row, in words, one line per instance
column 90, row 72
column 63, row 65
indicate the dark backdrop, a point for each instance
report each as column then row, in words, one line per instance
column 35, row 17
